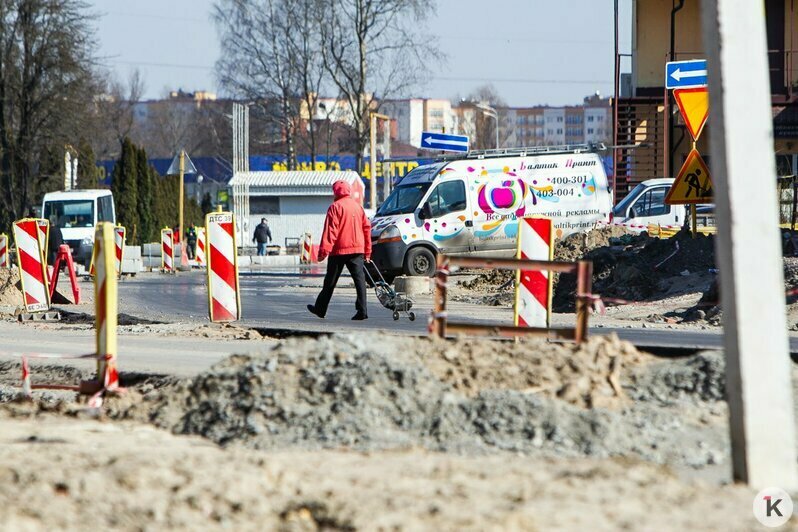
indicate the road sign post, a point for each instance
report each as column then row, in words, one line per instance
column 749, row 255
column 439, row 141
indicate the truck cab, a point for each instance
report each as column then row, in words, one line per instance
column 76, row 213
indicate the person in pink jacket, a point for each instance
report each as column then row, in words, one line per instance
column 346, row 239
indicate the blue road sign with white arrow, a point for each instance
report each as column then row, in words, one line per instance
column 439, row 141
column 683, row 74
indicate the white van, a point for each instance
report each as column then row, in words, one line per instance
column 472, row 205
column 76, row 212
column 645, row 205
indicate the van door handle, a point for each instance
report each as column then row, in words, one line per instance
column 469, row 223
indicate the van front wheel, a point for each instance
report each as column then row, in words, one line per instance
column 420, row 262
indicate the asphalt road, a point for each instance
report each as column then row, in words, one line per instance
column 277, row 300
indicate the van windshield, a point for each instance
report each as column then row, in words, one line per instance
column 620, row 210
column 403, row 199
column 70, row 213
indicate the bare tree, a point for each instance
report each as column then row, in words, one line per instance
column 257, row 59
column 306, row 63
column 47, row 89
column 371, row 49
column 481, row 127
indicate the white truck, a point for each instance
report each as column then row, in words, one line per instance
column 471, row 205
column 645, row 205
column 76, row 213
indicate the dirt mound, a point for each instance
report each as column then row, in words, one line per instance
column 10, row 287
column 586, row 375
column 574, row 246
column 366, row 393
column 569, row 249
column 641, row 268
column 490, row 280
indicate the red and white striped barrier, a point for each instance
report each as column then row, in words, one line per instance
column 224, row 302
column 32, row 266
column 199, row 256
column 306, row 253
column 5, row 261
column 119, row 244
column 44, row 235
column 167, row 251
column 106, row 306
column 533, row 288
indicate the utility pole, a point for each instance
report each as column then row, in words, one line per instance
column 758, row 367
column 373, row 116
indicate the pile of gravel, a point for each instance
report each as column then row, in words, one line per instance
column 372, row 392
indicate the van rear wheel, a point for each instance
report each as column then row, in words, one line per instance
column 420, row 261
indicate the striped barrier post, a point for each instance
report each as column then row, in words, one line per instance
column 167, row 251
column 5, row 261
column 224, row 301
column 106, row 306
column 44, row 235
column 533, row 288
column 199, row 256
column 32, row 266
column 119, row 244
column 307, row 249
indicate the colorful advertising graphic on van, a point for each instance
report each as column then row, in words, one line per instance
column 476, row 204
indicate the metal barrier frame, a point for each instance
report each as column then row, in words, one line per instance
column 440, row 325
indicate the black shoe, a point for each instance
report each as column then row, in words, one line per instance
column 359, row 316
column 313, row 311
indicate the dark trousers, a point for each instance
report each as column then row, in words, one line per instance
column 335, row 265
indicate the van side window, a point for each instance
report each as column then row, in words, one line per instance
column 447, row 198
column 652, row 203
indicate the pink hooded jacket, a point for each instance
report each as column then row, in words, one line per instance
column 347, row 230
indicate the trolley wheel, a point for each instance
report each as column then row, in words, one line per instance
column 411, row 316
column 395, row 315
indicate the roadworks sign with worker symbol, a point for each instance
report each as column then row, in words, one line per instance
column 693, row 185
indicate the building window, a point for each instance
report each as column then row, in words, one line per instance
column 559, row 131
column 264, row 205
column 559, row 119
column 600, row 118
column 590, row 118
column 590, row 131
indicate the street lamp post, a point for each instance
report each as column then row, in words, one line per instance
column 491, row 112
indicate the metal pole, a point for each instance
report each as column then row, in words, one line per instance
column 438, row 326
column 584, row 284
column 373, row 160
column 496, row 118
column 180, row 219
column 615, row 111
column 758, row 367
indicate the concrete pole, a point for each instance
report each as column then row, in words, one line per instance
column 758, row 367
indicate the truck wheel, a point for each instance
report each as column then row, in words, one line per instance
column 420, row 262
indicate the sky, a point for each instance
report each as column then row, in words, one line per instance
column 534, row 52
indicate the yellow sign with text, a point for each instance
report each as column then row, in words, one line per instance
column 693, row 185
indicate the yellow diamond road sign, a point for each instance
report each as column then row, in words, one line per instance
column 693, row 185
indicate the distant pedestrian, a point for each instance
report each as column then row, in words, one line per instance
column 347, row 240
column 191, row 241
column 262, row 236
